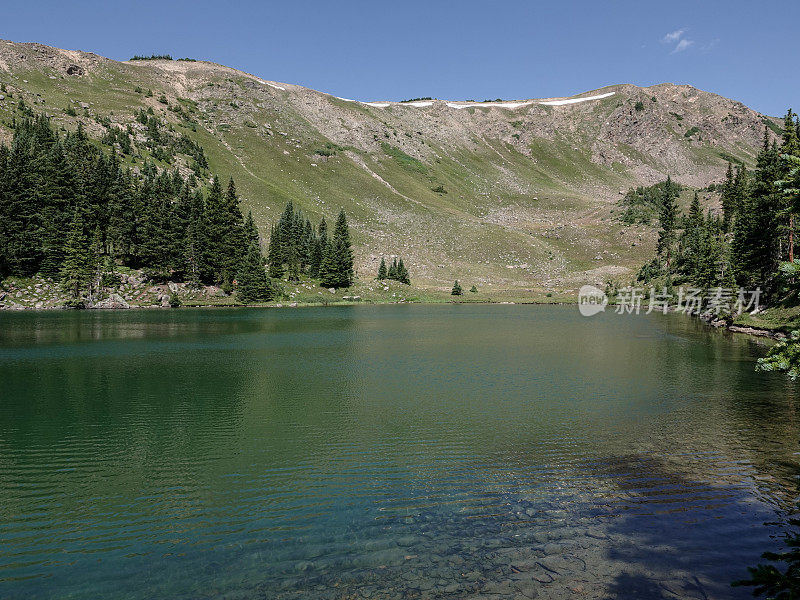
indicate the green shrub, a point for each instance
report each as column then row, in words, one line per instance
column 639, row 106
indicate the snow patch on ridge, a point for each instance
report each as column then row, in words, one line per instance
column 277, row 87
column 460, row 105
column 511, row 105
column 576, row 100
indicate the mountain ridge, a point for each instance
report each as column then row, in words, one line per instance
column 519, row 198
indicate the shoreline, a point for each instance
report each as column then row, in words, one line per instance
column 42, row 295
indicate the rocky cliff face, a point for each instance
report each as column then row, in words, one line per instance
column 513, row 194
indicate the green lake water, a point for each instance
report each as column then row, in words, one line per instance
column 450, row 451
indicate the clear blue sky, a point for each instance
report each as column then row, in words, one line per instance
column 399, row 49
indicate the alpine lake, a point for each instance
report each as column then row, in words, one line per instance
column 398, row 451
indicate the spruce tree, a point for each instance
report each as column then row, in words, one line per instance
column 337, row 264
column 253, row 284
column 788, row 184
column 235, row 242
column 216, row 228
column 196, row 243
column 757, row 240
column 76, row 269
column 692, row 240
column 382, row 270
column 96, row 263
column 728, row 197
column 328, row 266
column 456, row 291
column 402, row 273
column 275, row 254
column 251, row 231
column 668, row 216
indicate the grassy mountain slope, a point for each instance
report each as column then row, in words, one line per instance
column 509, row 199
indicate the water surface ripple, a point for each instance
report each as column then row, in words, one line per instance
column 385, row 452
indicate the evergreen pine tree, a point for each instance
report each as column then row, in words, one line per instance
column 216, row 229
column 96, row 263
column 729, row 197
column 77, row 264
column 253, row 284
column 456, row 291
column 757, row 240
column 251, row 231
column 382, row 270
column 692, row 240
column 275, row 254
column 196, row 243
column 337, row 270
column 402, row 273
column 668, row 219
column 236, row 245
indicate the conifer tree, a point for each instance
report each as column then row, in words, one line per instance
column 790, row 153
column 402, row 273
column 96, row 263
column 337, row 264
column 275, row 255
column 251, row 231
column 216, row 227
column 196, row 242
column 456, row 291
column 756, row 243
column 253, row 284
column 76, row 268
column 382, row 274
column 667, row 218
column 236, row 245
column 728, row 197
column 692, row 240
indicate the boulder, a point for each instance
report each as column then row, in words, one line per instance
column 114, row 301
column 74, row 70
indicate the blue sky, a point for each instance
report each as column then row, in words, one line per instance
column 470, row 49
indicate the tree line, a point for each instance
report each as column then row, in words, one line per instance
column 751, row 243
column 72, row 212
column 298, row 248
